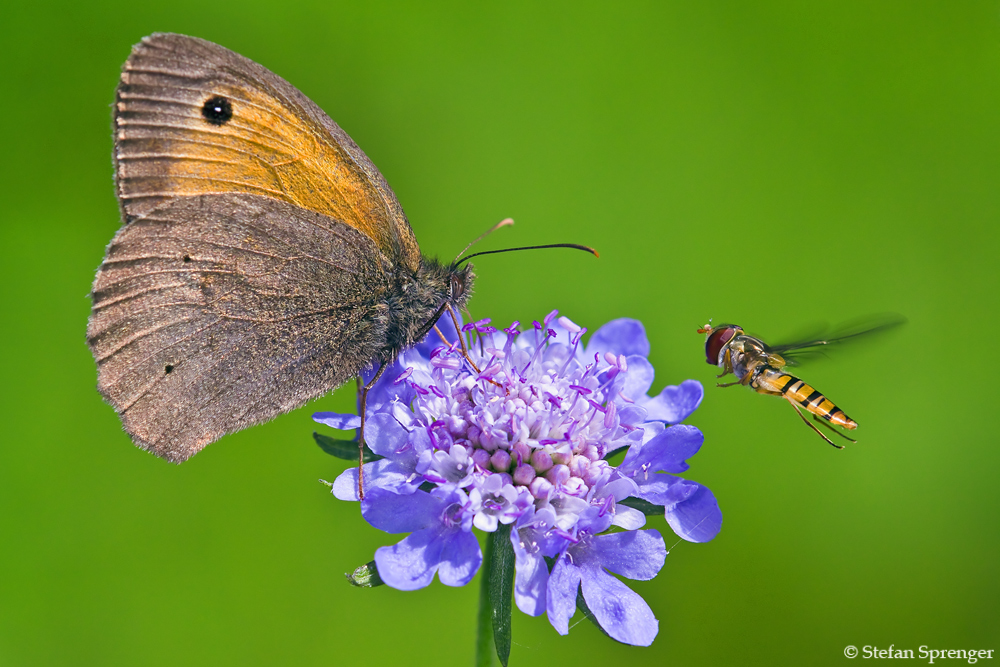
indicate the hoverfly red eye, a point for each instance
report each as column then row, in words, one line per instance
column 716, row 340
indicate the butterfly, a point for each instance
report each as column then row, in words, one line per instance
column 263, row 260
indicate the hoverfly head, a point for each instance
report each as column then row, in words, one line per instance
column 717, row 339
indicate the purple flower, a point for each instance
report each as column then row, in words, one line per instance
column 637, row 554
column 441, row 541
column 518, row 433
column 495, row 500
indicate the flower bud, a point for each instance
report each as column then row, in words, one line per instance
column 500, row 460
column 523, row 474
column 541, row 461
column 558, row 475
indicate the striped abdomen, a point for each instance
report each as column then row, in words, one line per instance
column 773, row 381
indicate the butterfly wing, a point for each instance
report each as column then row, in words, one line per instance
column 194, row 118
column 212, row 313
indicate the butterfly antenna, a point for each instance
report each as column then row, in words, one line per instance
column 506, row 222
column 575, row 246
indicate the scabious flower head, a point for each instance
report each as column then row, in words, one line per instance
column 518, row 433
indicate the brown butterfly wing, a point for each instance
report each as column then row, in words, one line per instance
column 216, row 312
column 276, row 143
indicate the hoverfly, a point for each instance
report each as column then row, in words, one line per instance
column 759, row 366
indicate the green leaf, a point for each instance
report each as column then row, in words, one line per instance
column 343, row 449
column 502, row 589
column 496, row 598
column 365, row 576
column 644, row 506
column 615, row 457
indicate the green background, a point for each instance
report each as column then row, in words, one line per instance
column 774, row 165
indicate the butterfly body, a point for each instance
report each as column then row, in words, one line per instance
column 263, row 259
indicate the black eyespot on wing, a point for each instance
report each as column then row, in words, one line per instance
column 168, row 368
column 217, row 110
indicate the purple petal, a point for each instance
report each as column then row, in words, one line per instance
column 386, row 437
column 690, row 508
column 638, row 554
column 619, row 610
column 460, row 558
column 381, row 474
column 531, row 577
column 667, row 452
column 395, row 513
column 675, row 403
column 337, row 420
column 411, row 564
column 564, row 581
column 639, row 378
column 697, row 518
column 652, row 429
column 628, row 518
column 594, row 520
column 631, row 415
column 622, row 336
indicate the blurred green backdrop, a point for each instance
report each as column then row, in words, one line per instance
column 773, row 164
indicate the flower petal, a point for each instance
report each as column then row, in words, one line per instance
column 675, row 403
column 628, row 518
column 411, row 563
column 697, row 518
column 639, row 378
column 337, row 420
column 622, row 336
column 381, row 474
column 564, row 581
column 690, row 508
column 667, row 452
column 619, row 610
column 530, row 579
column 485, row 522
column 460, row 558
column 386, row 437
column 638, row 554
column 395, row 513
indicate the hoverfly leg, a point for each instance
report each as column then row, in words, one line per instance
column 809, row 424
column 829, row 426
column 727, row 384
column 363, row 392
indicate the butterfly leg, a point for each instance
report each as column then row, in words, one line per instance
column 807, row 423
column 363, row 409
column 461, row 338
column 823, row 423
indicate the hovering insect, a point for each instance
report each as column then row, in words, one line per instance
column 759, row 366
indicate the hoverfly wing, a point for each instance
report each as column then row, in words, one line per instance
column 796, row 352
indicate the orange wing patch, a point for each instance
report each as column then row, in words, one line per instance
column 166, row 147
